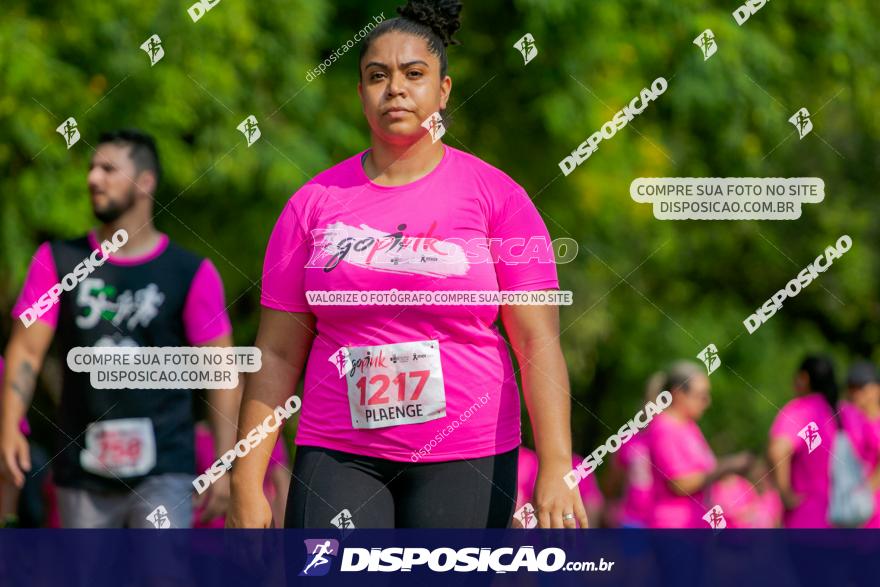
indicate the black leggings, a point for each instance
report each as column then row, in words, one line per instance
column 378, row 493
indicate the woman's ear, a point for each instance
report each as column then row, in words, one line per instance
column 445, row 90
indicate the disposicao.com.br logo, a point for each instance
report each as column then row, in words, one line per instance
column 442, row 560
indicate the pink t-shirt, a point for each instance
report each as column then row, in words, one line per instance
column 23, row 425
column 634, row 458
column 743, row 506
column 865, row 437
column 527, row 475
column 677, row 448
column 425, row 236
column 204, row 314
column 810, row 477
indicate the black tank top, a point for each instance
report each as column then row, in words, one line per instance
column 123, row 305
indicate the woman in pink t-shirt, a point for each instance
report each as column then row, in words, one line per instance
column 683, row 464
column 410, row 410
column 801, row 443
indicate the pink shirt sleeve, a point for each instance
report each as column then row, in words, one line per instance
column 518, row 234
column 789, row 421
column 679, row 450
column 204, row 312
column 41, row 276
column 284, row 265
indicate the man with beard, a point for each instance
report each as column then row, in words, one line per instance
column 121, row 453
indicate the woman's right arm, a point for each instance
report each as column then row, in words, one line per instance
column 284, row 339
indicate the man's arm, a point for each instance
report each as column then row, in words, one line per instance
column 223, row 405
column 24, row 358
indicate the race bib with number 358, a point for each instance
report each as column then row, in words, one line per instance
column 119, row 448
column 393, row 384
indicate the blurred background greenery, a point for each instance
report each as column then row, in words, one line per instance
column 646, row 291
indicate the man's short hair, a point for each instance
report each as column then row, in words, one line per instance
column 142, row 149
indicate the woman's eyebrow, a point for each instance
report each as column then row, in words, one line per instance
column 402, row 65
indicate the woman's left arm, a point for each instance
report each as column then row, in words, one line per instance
column 534, row 336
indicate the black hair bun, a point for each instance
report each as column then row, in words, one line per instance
column 441, row 16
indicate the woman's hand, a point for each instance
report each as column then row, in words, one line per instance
column 553, row 499
column 249, row 510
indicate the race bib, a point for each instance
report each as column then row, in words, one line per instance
column 393, row 384
column 119, row 448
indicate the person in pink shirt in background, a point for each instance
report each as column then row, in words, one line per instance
column 801, row 444
column 684, row 466
column 527, row 474
column 860, row 417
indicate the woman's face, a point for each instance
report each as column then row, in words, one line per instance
column 400, row 87
column 696, row 399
